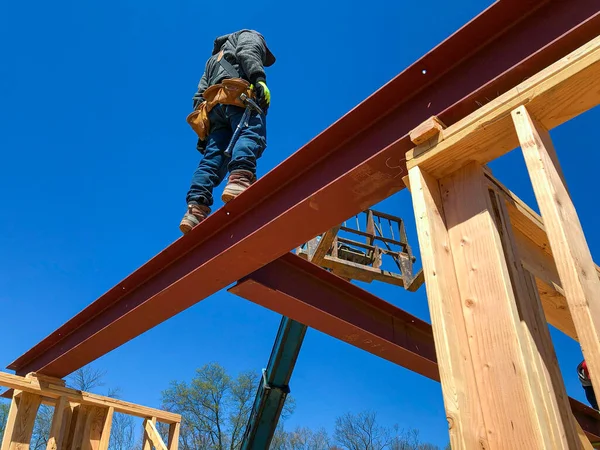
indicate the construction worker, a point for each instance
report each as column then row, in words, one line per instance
column 236, row 67
column 586, row 383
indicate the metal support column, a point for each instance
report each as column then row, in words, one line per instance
column 274, row 388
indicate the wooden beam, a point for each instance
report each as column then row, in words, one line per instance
column 508, row 338
column 153, row 435
column 31, row 385
column 547, row 389
column 324, row 245
column 558, row 93
column 94, row 426
column 174, row 429
column 461, row 397
column 58, row 426
column 426, row 130
column 536, row 257
column 106, row 429
column 573, row 258
column 147, row 444
column 21, row 419
column 9, row 426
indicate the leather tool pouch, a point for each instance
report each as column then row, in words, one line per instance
column 226, row 93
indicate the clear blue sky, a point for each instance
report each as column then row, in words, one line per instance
column 97, row 157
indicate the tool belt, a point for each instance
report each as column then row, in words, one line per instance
column 225, row 93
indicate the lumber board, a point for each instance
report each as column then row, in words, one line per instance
column 174, row 430
column 489, row 307
column 563, row 90
column 153, row 435
column 466, row 423
column 85, row 398
column 106, row 429
column 536, row 257
column 21, row 419
column 547, row 389
column 426, row 130
column 57, row 427
column 324, row 245
column 572, row 255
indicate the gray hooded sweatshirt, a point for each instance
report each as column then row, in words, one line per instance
column 245, row 50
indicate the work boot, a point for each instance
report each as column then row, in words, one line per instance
column 194, row 215
column 239, row 181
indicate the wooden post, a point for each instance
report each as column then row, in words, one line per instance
column 504, row 328
column 147, row 445
column 572, row 255
column 94, row 425
column 461, row 396
column 58, row 428
column 174, row 436
column 153, row 436
column 548, row 391
column 21, row 419
column 501, row 382
column 78, row 427
column 106, row 429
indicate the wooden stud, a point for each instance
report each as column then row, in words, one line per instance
column 505, row 329
column 69, row 431
column 57, row 428
column 550, row 400
column 563, row 90
column 147, row 445
column 93, row 428
column 572, row 255
column 53, row 391
column 323, row 246
column 10, row 421
column 21, row 419
column 174, row 429
column 79, row 426
column 461, row 396
column 427, row 130
column 153, row 435
column 106, row 429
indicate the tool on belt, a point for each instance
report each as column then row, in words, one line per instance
column 230, row 91
column 250, row 105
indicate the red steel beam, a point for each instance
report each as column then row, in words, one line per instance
column 319, row 299
column 355, row 163
column 302, row 291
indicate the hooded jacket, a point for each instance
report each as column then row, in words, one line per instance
column 245, row 50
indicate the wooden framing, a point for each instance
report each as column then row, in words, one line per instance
column 81, row 421
column 562, row 91
column 496, row 272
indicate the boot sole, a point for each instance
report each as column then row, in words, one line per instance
column 229, row 194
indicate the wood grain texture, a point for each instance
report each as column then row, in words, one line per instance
column 572, row 255
column 558, row 93
column 461, row 394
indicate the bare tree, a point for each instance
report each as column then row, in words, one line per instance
column 86, row 379
column 361, row 432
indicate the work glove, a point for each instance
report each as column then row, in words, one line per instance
column 263, row 94
column 201, row 146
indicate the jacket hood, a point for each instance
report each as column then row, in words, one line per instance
column 220, row 41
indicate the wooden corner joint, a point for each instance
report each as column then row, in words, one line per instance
column 426, row 130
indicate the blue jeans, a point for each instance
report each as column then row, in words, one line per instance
column 214, row 165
